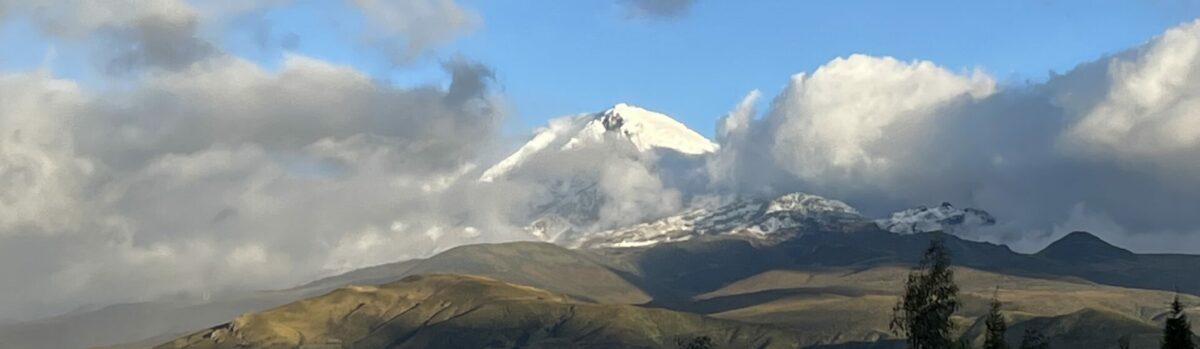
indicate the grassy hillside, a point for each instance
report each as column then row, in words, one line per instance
column 456, row 311
column 543, row 265
column 833, row 307
column 837, row 305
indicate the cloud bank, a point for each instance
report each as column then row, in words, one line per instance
column 206, row 173
column 228, row 176
column 1116, row 140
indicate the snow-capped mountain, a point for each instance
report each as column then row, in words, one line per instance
column 945, row 217
column 767, row 220
column 562, row 163
column 565, row 164
column 643, row 129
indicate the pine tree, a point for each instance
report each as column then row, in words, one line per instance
column 1178, row 331
column 701, row 342
column 930, row 297
column 1124, row 342
column 995, row 325
column 1033, row 339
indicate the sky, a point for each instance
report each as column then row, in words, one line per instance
column 170, row 149
column 691, row 65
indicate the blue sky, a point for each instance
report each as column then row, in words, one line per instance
column 561, row 57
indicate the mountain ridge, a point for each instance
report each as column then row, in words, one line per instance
column 784, row 284
column 692, row 276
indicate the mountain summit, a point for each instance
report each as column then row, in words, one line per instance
column 576, row 169
column 1082, row 246
column 623, row 123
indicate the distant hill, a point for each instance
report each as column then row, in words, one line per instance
column 1081, row 246
column 454, row 311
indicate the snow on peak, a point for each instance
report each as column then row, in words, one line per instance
column 808, row 204
column 645, row 130
column 767, row 220
column 945, row 217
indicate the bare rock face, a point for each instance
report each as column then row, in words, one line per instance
column 611, row 120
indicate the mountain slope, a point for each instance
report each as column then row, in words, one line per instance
column 821, row 305
column 850, row 304
column 453, row 311
column 1090, row 328
column 541, row 265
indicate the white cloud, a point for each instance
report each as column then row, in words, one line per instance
column 860, row 117
column 41, row 176
column 407, row 28
column 135, row 34
column 225, row 176
column 132, row 36
column 1117, row 136
column 1149, row 115
column 734, row 134
column 202, row 172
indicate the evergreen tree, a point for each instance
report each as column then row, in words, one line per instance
column 930, row 297
column 702, row 342
column 1123, row 342
column 1033, row 339
column 995, row 325
column 1178, row 331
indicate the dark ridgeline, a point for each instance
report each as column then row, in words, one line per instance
column 1177, row 333
column 930, row 297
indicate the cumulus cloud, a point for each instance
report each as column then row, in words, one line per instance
column 855, row 122
column 1116, row 136
column 407, row 28
column 206, row 173
column 657, row 8
column 135, row 34
column 844, row 121
column 42, row 174
column 226, row 176
column 1148, row 115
